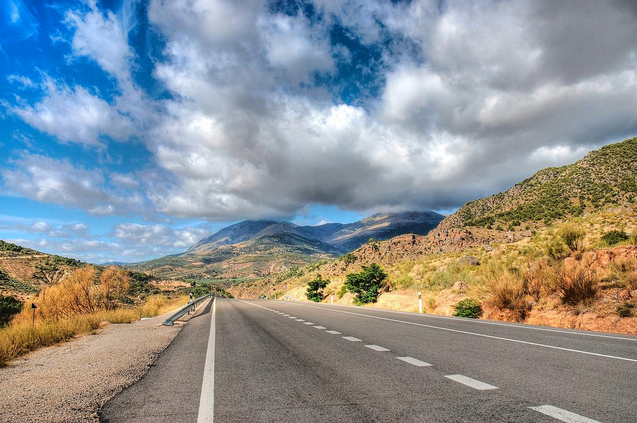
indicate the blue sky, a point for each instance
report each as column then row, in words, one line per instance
column 130, row 129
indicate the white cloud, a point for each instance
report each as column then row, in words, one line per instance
column 100, row 37
column 60, row 182
column 75, row 115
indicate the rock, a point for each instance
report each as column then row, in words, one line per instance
column 459, row 286
column 468, row 261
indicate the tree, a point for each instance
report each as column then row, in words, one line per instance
column 315, row 289
column 366, row 284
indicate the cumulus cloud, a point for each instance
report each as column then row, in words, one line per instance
column 74, row 115
column 473, row 97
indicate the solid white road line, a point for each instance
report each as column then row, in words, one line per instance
column 487, row 322
column 320, row 327
column 207, row 398
column 308, row 323
column 475, row 384
column 499, row 338
column 562, row 415
column 333, row 332
column 414, row 361
column 377, row 348
column 351, row 338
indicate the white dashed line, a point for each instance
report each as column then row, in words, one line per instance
column 300, row 320
column 286, row 315
column 500, row 338
column 308, row 323
column 320, row 327
column 377, row 348
column 351, row 338
column 292, row 317
column 333, row 332
column 475, row 384
column 414, row 361
column 562, row 415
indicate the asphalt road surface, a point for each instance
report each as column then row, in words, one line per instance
column 273, row 361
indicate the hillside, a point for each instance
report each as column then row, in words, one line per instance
column 604, row 177
column 24, row 271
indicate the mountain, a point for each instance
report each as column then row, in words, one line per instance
column 382, row 227
column 604, row 177
column 338, row 237
column 232, row 235
column 254, row 249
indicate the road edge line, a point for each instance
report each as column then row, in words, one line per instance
column 207, row 398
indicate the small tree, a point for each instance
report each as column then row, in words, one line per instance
column 366, row 284
column 315, row 289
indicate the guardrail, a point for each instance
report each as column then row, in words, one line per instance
column 185, row 309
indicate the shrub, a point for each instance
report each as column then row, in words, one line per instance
column 468, row 308
column 507, row 292
column 349, row 258
column 614, row 237
column 573, row 236
column 8, row 307
column 556, row 249
column 539, row 279
column 315, row 289
column 366, row 284
column 577, row 284
column 626, row 310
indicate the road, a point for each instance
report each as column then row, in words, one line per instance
column 273, row 361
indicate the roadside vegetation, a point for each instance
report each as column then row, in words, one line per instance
column 80, row 304
column 583, row 265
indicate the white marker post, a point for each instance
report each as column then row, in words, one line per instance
column 332, row 300
column 419, row 302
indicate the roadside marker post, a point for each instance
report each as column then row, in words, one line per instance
column 419, row 302
column 33, row 306
column 332, row 300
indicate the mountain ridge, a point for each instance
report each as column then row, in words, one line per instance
column 342, row 236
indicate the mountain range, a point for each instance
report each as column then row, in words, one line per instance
column 335, row 237
column 254, row 249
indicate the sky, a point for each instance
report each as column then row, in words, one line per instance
column 130, row 129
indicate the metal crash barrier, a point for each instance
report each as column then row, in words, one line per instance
column 191, row 306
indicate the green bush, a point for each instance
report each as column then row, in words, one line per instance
column 9, row 306
column 366, row 284
column 614, row 237
column 315, row 289
column 468, row 308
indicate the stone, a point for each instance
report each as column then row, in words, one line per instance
column 468, row 261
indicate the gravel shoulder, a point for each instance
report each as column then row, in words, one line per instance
column 69, row 382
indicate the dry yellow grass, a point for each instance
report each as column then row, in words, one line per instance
column 22, row 336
